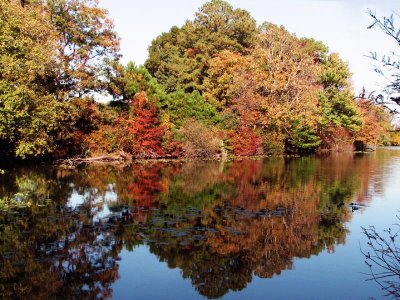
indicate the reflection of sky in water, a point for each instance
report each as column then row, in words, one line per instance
column 143, row 276
column 99, row 201
column 385, row 202
column 338, row 275
column 146, row 272
column 335, row 275
column 76, row 200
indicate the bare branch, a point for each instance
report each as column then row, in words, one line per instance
column 383, row 259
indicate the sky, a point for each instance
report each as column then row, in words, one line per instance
column 341, row 25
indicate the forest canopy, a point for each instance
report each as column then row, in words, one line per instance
column 219, row 85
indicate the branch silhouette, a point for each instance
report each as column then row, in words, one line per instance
column 383, row 258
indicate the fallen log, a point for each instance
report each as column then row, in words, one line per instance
column 120, row 157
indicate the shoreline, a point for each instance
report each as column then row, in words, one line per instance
column 130, row 160
column 125, row 159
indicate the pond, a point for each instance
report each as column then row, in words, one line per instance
column 277, row 228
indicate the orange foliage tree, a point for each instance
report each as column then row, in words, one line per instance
column 376, row 126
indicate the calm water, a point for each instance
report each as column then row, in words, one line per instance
column 251, row 229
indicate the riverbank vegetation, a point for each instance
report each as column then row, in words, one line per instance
column 218, row 85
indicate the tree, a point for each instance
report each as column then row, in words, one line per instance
column 222, row 83
column 289, row 85
column 138, row 79
column 179, row 58
column 376, row 124
column 30, row 115
column 274, row 88
column 177, row 107
column 51, row 51
column 389, row 64
column 146, row 129
column 245, row 142
column 291, row 89
column 87, row 45
column 340, row 119
column 180, row 107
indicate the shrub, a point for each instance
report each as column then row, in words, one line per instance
column 109, row 139
column 200, row 141
column 273, row 143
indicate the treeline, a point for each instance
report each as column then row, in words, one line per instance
column 216, row 86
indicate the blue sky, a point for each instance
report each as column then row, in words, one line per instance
column 341, row 25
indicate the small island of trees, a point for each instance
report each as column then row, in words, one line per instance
column 219, row 85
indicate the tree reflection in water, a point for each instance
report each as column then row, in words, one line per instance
column 220, row 224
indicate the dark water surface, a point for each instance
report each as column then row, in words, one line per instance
column 251, row 229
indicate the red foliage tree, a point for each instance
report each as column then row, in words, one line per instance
column 146, row 128
column 245, row 142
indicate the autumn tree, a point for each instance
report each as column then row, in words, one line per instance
column 179, row 58
column 290, row 89
column 341, row 119
column 176, row 107
column 146, row 128
column 245, row 142
column 87, row 46
column 289, row 86
column 274, row 88
column 51, row 51
column 252, row 90
column 376, row 124
column 29, row 112
column 224, row 82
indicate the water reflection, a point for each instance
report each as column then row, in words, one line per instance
column 219, row 223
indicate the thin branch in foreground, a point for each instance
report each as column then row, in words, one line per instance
column 383, row 258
